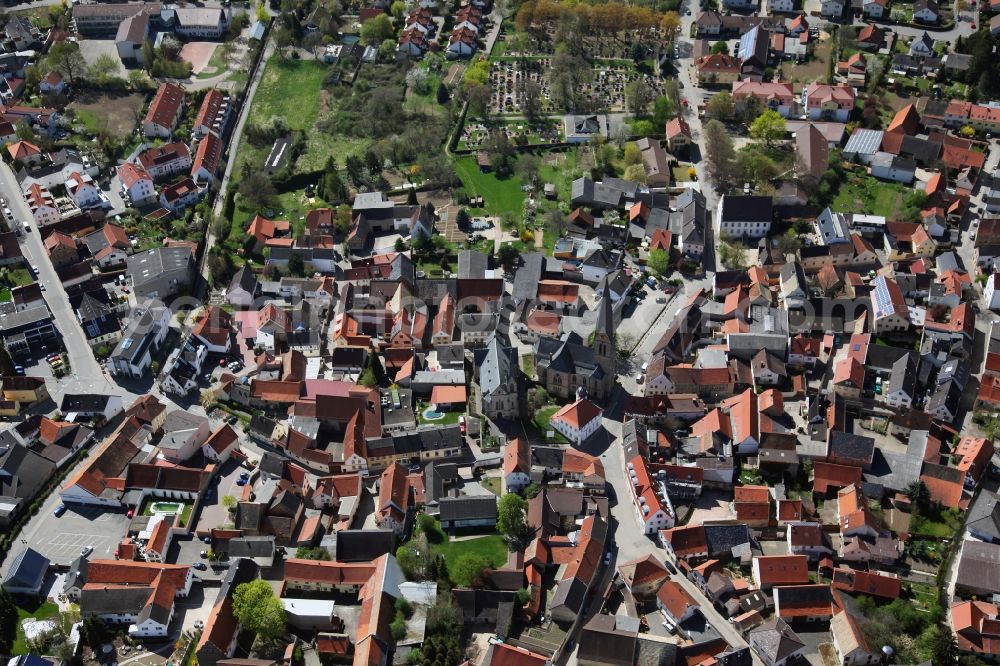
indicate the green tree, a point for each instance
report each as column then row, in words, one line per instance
column 720, row 106
column 938, row 643
column 732, row 255
column 261, row 13
column 229, row 502
column 658, row 261
column 296, row 265
column 469, row 570
column 511, row 512
column 65, row 58
column 522, row 596
column 768, row 127
column 103, row 67
column 258, row 610
column 918, row 494
column 720, row 47
column 509, row 256
column 257, row 189
column 8, row 621
column 376, row 30
column 720, row 154
column 443, row 96
column 638, row 97
column 397, row 9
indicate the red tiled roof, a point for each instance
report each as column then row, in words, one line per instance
column 578, row 414
column 675, row 599
column 166, row 105
column 781, row 569
column 829, row 475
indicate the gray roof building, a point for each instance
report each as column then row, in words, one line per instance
column 160, row 272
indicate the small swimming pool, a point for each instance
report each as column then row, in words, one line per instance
column 166, row 507
column 433, row 415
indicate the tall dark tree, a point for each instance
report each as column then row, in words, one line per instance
column 443, row 96
column 8, row 621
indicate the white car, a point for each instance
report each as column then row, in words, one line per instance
column 87, row 550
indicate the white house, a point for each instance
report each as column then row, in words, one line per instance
column 516, row 465
column 84, row 192
column 147, row 329
column 91, row 405
column 780, row 6
column 922, row 46
column 577, row 421
column 874, row 8
column 136, row 184
column 220, row 444
column 183, row 435
column 926, row 11
column 745, row 216
column 832, row 8
column 992, row 292
column 42, row 205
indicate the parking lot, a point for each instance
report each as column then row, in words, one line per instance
column 61, row 539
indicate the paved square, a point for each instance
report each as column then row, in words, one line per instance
column 61, row 539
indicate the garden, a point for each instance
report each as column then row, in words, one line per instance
column 153, row 507
column 893, row 201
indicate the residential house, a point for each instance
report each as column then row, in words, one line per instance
column 577, row 421
column 828, row 102
column 745, row 217
column 164, row 111
column 775, row 643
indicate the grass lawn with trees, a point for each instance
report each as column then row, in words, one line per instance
column 499, row 196
column 868, row 194
column 41, row 612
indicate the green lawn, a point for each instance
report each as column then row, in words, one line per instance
column 938, row 526
column 499, row 196
column 450, row 418
column 289, row 89
column 21, row 277
column 865, row 194
column 5, row 296
column 540, row 424
column 492, row 484
column 492, row 548
column 42, row 612
column 291, row 206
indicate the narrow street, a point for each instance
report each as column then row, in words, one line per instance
column 630, row 541
column 82, row 361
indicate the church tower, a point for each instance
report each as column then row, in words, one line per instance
column 604, row 337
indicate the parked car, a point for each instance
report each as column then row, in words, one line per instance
column 87, row 550
column 200, row 566
column 60, row 510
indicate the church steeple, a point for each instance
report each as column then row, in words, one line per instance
column 604, row 334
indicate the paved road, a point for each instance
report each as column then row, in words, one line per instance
column 82, row 360
column 630, row 540
column 234, row 142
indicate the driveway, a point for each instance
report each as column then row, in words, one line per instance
column 213, row 514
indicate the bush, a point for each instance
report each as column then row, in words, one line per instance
column 398, row 629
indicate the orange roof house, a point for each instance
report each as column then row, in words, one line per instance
column 676, row 601
column 263, row 229
column 867, row 582
column 771, row 570
column 977, row 626
column 577, row 420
